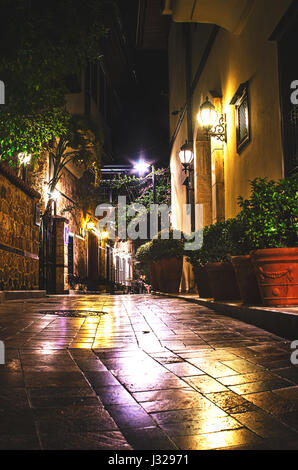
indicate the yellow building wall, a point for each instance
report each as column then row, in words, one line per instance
column 236, row 59
column 233, row 59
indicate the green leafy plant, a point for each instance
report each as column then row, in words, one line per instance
column 41, row 53
column 220, row 241
column 143, row 254
column 139, row 191
column 81, row 144
column 268, row 219
column 162, row 189
column 159, row 248
column 270, row 215
column 172, row 247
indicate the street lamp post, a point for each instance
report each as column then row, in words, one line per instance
column 153, row 183
column 141, row 167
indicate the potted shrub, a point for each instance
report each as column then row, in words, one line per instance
column 200, row 274
column 242, row 263
column 271, row 215
column 169, row 252
column 144, row 256
column 215, row 255
column 246, row 279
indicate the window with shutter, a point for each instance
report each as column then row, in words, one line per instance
column 242, row 118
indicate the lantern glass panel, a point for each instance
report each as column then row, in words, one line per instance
column 207, row 115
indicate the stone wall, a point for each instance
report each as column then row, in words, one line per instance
column 66, row 207
column 19, row 235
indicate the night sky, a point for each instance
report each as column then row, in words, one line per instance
column 143, row 124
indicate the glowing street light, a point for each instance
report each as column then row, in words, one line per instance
column 213, row 124
column 90, row 225
column 186, row 157
column 141, row 167
column 207, row 115
column 104, row 234
column 54, row 195
column 186, row 154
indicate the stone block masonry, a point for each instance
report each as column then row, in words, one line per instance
column 19, row 235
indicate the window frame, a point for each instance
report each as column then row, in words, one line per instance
column 238, row 99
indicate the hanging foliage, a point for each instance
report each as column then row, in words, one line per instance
column 140, row 190
column 40, row 50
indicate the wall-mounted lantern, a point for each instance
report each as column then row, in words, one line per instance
column 213, row 125
column 186, row 158
column 54, row 195
column 90, row 225
column 104, row 234
column 186, row 155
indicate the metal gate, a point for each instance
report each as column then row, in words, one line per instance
column 47, row 255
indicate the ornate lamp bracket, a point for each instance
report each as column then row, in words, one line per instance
column 219, row 131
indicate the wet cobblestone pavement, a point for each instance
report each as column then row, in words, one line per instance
column 150, row 373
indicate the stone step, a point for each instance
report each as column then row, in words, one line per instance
column 282, row 321
column 22, row 294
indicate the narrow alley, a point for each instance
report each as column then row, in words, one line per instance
column 141, row 372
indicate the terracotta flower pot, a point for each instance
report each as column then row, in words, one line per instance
column 246, row 279
column 222, row 281
column 277, row 274
column 155, row 270
column 152, row 275
column 202, row 282
column 171, row 274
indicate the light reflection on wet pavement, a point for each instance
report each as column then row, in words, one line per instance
column 150, row 373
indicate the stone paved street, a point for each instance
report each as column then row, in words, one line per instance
column 149, row 373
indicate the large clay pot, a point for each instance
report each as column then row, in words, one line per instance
column 155, row 271
column 159, row 275
column 222, row 281
column 171, row 274
column 246, row 279
column 202, row 282
column 277, row 275
column 153, row 276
